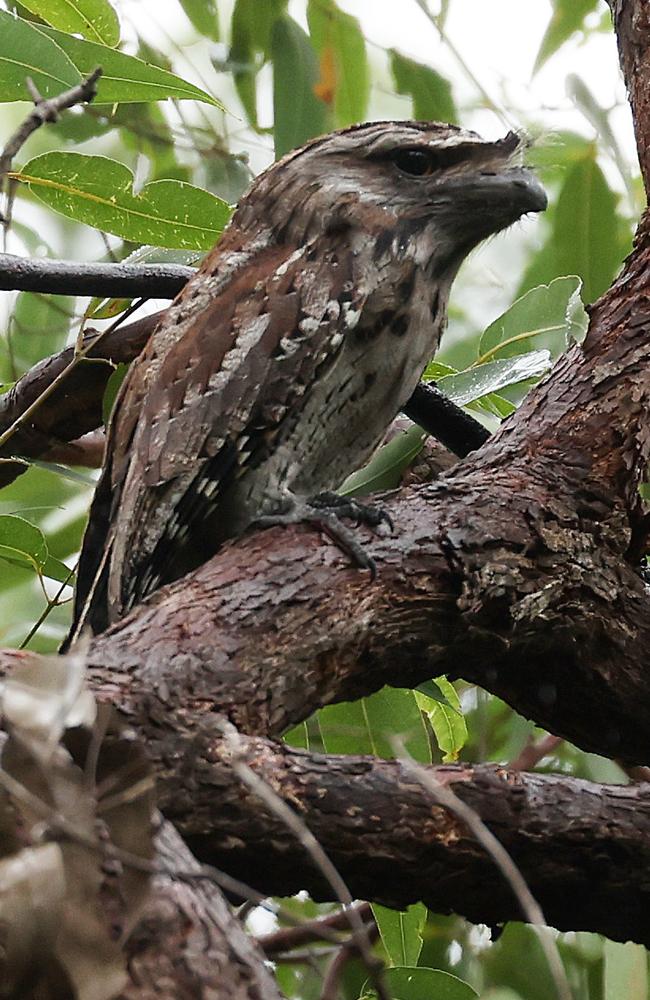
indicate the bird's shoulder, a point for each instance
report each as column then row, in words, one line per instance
column 228, row 348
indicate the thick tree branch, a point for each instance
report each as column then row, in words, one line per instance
column 394, row 844
column 188, row 944
column 632, row 24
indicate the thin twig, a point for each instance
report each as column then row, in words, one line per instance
column 47, row 110
column 49, row 389
column 108, row 280
column 332, row 980
column 530, row 908
column 310, row 844
column 287, row 938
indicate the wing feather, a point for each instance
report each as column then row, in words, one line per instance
column 216, row 371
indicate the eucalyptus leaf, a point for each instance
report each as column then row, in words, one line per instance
column 26, row 51
column 446, row 718
column 430, row 92
column 99, row 192
column 125, row 79
column 625, row 971
column 369, row 725
column 24, row 545
column 385, row 468
column 425, row 984
column 204, row 16
column 344, row 81
column 94, row 19
column 298, row 113
column 568, row 16
column 401, row 932
column 251, row 29
column 545, row 317
column 473, row 383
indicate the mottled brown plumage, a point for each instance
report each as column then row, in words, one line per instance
column 278, row 368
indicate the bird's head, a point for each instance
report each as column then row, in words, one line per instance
column 423, row 189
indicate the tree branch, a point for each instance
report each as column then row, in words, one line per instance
column 66, row 277
column 632, row 24
column 395, row 844
column 187, row 943
column 47, row 110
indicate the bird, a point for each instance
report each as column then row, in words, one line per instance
column 277, row 369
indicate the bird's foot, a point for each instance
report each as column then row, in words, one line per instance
column 326, row 511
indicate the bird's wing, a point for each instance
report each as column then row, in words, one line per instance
column 217, row 366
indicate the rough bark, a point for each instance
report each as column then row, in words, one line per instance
column 516, row 570
column 188, row 944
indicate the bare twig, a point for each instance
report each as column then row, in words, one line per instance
column 531, row 909
column 288, row 938
column 67, row 277
column 47, row 110
column 49, row 389
column 332, row 980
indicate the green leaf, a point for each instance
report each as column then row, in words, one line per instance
column 401, row 932
column 94, row 19
column 430, row 92
column 24, row 545
column 385, row 468
column 425, row 984
column 99, row 192
column 298, row 113
column 298, row 736
column 26, row 51
column 250, row 31
column 125, row 79
column 504, row 966
column 112, row 389
column 473, row 383
column 545, row 317
column 491, row 403
column 588, row 237
column 625, row 971
column 436, row 370
column 447, row 720
column 204, row 16
column 40, row 326
column 568, row 16
column 431, row 690
column 21, row 542
column 99, row 308
column 367, row 725
column 54, row 569
column 344, row 78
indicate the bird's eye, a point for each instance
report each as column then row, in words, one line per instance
column 416, row 162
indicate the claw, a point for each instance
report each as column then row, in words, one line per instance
column 326, row 510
